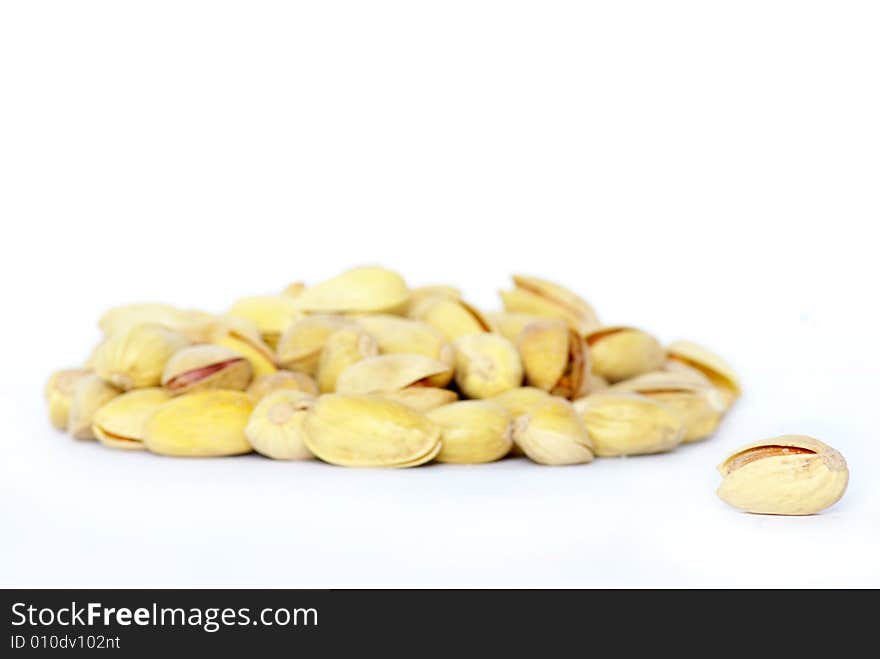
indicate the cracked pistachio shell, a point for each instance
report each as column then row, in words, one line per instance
column 486, row 365
column 555, row 358
column 242, row 337
column 540, row 297
column 422, row 398
column 272, row 314
column 369, row 431
column 121, row 423
column 518, row 401
column 201, row 424
column 275, row 428
column 282, row 380
column 343, row 348
column 452, row 317
column 622, row 423
column 509, row 324
column 700, row 406
column 389, row 373
column 188, row 322
column 299, row 348
column 788, row 475
column 396, row 335
column 367, row 289
column 620, row 353
column 709, row 364
column 552, row 433
column 472, row 431
column 135, row 357
column 59, row 393
column 294, row 289
column 89, row 394
column 206, row 367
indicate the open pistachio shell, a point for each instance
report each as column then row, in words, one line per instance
column 453, row 318
column 59, row 393
column 206, row 367
column 552, row 433
column 472, row 431
column 299, row 348
column 272, row 314
column 619, row 353
column 388, row 373
column 135, row 357
column 121, row 423
column 422, row 399
column 275, row 428
column 709, row 364
column 286, row 380
column 369, row 431
column 366, row 289
column 788, row 475
column 509, row 324
column 90, row 393
column 543, row 298
column 202, row 424
column 555, row 358
column 396, row 335
column 243, row 337
column 486, row 365
column 343, row 348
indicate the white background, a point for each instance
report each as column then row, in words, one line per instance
column 706, row 170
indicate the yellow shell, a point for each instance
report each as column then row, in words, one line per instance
column 422, row 399
column 472, row 431
column 486, row 365
column 299, row 348
column 59, row 392
column 89, row 394
column 202, row 424
column 272, row 314
column 343, row 348
column 275, row 428
column 206, row 367
column 243, row 337
column 552, row 433
column 294, row 289
column 619, row 353
column 189, row 322
column 286, row 380
column 388, row 373
column 416, row 295
column 709, row 364
column 543, row 298
column 452, row 317
column 135, row 357
column 518, row 401
column 509, row 324
column 555, row 358
column 121, row 423
column 366, row 289
column 396, row 335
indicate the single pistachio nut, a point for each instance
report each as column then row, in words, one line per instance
column 620, row 353
column 189, row 322
column 206, row 367
column 369, row 431
column 242, row 337
column 272, row 314
column 201, row 424
column 294, row 289
column 282, row 380
column 452, row 317
column 472, row 431
column 486, row 365
column 552, row 433
column 509, row 324
column 416, row 295
column 555, row 358
column 422, row 399
column 622, row 423
column 135, row 357
column 788, row 475
column 366, row 289
column 543, row 298
column 121, row 423
column 709, row 364
column 682, row 370
column 518, row 401
column 59, row 393
column 344, row 348
column 389, row 373
column 90, row 393
column 299, row 348
column 275, row 428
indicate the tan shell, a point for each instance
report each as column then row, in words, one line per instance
column 509, row 324
column 189, row 322
column 282, row 380
column 416, row 295
column 552, row 433
column 206, row 367
column 629, row 424
column 620, row 353
column 121, row 423
column 369, row 431
column 59, row 393
column 202, row 424
column 396, row 335
column 299, row 348
column 243, row 337
column 272, row 314
column 472, row 431
column 555, row 358
column 543, row 298
column 275, row 428
column 366, row 289
column 135, row 357
column 788, row 475
column 709, row 364
column 343, row 348
column 89, row 394
column 388, row 373
column 518, row 401
column 486, row 365
column 422, row 399
column 453, row 318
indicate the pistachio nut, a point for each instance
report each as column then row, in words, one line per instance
column 366, row 289
column 299, row 348
column 452, row 317
column 242, row 337
column 121, row 423
column 620, row 353
column 622, row 423
column 272, row 314
column 555, row 358
column 543, row 298
column 369, row 431
column 416, row 295
column 59, row 392
column 472, row 431
column 682, row 370
column 788, row 475
column 189, row 322
column 552, row 433
column 90, row 393
column 709, row 364
column 486, row 365
column 286, row 380
column 343, row 348
column 389, row 373
column 509, row 324
column 135, row 356
column 396, row 335
column 421, row 398
column 201, row 424
column 518, row 401
column 275, row 428
column 206, row 367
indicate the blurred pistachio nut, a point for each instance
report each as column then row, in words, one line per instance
column 206, row 367
column 788, row 475
column 552, row 433
column 275, row 428
column 452, row 317
column 416, row 295
column 286, row 380
column 389, row 373
column 243, row 337
column 509, row 324
column 299, row 348
column 343, row 348
column 619, row 353
column 486, row 365
column 90, row 393
column 422, row 398
column 472, row 431
column 135, row 357
column 189, row 322
column 122, row 422
column 369, row 431
column 540, row 297
column 271, row 314
column 555, row 358
column 59, row 393
column 709, row 364
column 621, row 423
column 366, row 289
column 518, row 401
column 201, row 424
